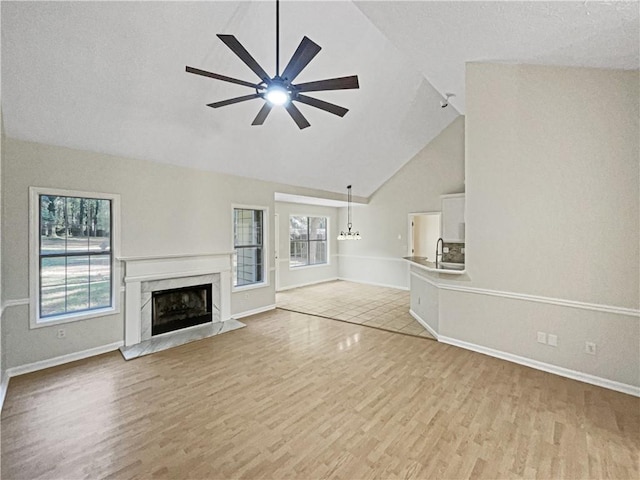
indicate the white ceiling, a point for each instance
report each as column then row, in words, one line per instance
column 440, row 37
column 109, row 77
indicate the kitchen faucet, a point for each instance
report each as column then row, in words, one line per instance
column 440, row 242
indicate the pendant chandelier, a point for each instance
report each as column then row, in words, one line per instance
column 349, row 235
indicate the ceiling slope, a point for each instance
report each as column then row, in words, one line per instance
column 110, row 77
column 440, row 37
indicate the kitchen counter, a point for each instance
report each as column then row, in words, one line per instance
column 425, row 264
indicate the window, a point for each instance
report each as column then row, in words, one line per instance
column 308, row 241
column 72, row 255
column 248, row 245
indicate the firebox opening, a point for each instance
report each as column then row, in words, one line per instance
column 180, row 308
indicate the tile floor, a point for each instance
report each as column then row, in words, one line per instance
column 369, row 305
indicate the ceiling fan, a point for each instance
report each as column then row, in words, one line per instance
column 280, row 89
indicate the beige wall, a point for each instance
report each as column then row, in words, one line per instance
column 552, row 173
column 436, row 170
column 552, row 182
column 294, row 277
column 164, row 210
column 2, row 349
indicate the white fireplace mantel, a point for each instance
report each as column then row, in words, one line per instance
column 145, row 269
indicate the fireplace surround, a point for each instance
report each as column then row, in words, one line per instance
column 144, row 275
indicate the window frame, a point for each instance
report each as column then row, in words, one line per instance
column 35, row 320
column 265, row 248
column 328, row 234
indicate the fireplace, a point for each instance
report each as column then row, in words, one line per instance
column 178, row 308
column 145, row 275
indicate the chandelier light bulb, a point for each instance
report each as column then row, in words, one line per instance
column 349, row 235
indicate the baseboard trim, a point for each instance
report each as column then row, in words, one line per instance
column 255, row 311
column 4, row 385
column 71, row 357
column 375, row 284
column 422, row 322
column 291, row 287
column 545, row 367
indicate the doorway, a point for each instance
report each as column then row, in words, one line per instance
column 424, row 231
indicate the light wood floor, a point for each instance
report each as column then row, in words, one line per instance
column 370, row 305
column 295, row 396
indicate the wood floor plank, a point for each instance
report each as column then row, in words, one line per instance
column 298, row 396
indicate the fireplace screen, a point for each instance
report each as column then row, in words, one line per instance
column 180, row 308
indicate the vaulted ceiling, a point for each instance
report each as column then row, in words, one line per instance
column 110, row 77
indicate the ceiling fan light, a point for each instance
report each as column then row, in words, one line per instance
column 277, row 96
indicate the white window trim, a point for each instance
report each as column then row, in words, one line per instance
column 266, row 273
column 34, row 256
column 315, row 265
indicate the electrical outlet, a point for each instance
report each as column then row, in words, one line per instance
column 542, row 337
column 462, row 250
column 552, row 340
column 590, row 348
column 62, row 333
column 445, row 249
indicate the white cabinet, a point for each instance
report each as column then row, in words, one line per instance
column 453, row 217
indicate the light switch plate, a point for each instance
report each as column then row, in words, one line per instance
column 445, row 249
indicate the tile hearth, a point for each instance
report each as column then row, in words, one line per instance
column 159, row 343
column 369, row 305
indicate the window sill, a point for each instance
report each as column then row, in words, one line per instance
column 304, row 267
column 73, row 317
column 252, row 286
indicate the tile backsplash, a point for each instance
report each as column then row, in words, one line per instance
column 455, row 254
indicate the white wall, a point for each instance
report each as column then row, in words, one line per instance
column 552, row 174
column 551, row 162
column 299, row 276
column 552, row 181
column 164, row 210
column 425, row 299
column 436, row 170
column 3, row 379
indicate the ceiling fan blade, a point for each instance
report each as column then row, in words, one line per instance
column 237, row 48
column 262, row 114
column 341, row 83
column 322, row 105
column 297, row 116
column 301, row 58
column 231, row 101
column 216, row 76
